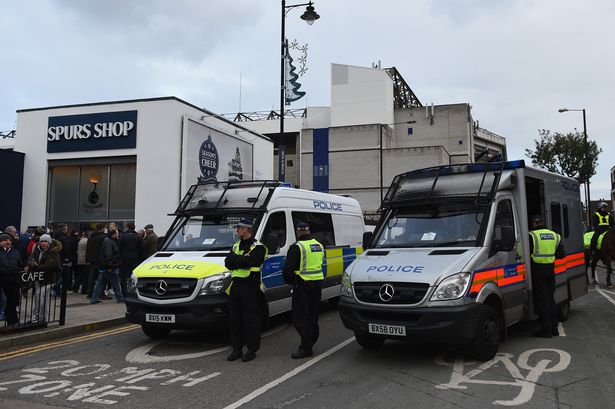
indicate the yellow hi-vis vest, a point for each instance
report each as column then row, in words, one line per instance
column 545, row 243
column 587, row 239
column 603, row 220
column 245, row 272
column 312, row 256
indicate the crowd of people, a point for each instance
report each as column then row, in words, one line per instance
column 99, row 261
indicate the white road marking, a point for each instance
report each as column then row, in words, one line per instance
column 140, row 355
column 609, row 291
column 287, row 376
column 560, row 329
column 603, row 293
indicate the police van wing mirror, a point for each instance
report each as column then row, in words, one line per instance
column 272, row 243
column 367, row 239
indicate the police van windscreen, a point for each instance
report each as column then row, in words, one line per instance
column 209, row 232
column 432, row 225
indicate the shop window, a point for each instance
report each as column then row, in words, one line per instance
column 82, row 196
column 122, row 192
column 94, row 193
column 64, row 193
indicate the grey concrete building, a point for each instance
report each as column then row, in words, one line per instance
column 374, row 129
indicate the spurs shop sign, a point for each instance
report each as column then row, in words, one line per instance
column 90, row 132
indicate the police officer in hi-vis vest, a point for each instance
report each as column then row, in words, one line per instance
column 303, row 270
column 244, row 262
column 545, row 247
column 602, row 221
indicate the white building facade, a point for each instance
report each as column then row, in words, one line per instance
column 128, row 160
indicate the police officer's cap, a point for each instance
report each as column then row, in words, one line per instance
column 245, row 222
column 601, row 205
column 301, row 226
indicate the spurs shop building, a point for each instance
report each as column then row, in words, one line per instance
column 128, row 160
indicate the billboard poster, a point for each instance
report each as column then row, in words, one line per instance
column 212, row 155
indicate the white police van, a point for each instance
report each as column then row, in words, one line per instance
column 183, row 286
column 449, row 260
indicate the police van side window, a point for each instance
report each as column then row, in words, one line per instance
column 556, row 218
column 276, row 225
column 504, row 219
column 566, row 222
column 321, row 226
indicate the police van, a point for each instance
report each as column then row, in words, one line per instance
column 183, row 286
column 449, row 260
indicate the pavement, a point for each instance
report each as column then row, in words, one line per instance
column 81, row 317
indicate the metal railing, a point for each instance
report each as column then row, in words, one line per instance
column 39, row 304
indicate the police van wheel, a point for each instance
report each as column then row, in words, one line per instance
column 486, row 341
column 368, row 341
column 155, row 332
column 563, row 309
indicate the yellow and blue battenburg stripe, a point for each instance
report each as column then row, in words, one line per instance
column 335, row 262
column 512, row 274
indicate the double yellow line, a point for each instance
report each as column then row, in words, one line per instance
column 50, row 345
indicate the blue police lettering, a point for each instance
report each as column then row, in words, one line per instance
column 321, row 204
column 395, row 269
column 172, row 267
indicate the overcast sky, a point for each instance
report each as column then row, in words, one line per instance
column 514, row 61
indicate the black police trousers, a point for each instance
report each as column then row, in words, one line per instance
column 305, row 309
column 244, row 318
column 543, row 284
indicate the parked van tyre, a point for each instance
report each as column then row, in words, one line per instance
column 155, row 332
column 486, row 341
column 368, row 341
column 563, row 309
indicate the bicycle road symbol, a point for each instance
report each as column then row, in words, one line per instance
column 526, row 383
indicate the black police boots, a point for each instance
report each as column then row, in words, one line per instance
column 235, row 355
column 248, row 356
column 301, row 353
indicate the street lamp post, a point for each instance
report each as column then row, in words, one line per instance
column 586, row 165
column 309, row 16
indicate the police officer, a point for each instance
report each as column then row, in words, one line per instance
column 245, row 261
column 545, row 247
column 602, row 221
column 303, row 270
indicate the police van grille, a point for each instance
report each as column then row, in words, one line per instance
column 175, row 287
column 405, row 293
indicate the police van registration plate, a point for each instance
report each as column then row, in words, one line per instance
column 160, row 318
column 383, row 329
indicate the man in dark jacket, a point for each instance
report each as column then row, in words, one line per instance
column 131, row 250
column 46, row 259
column 108, row 268
column 16, row 242
column 150, row 241
column 92, row 256
column 10, row 265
